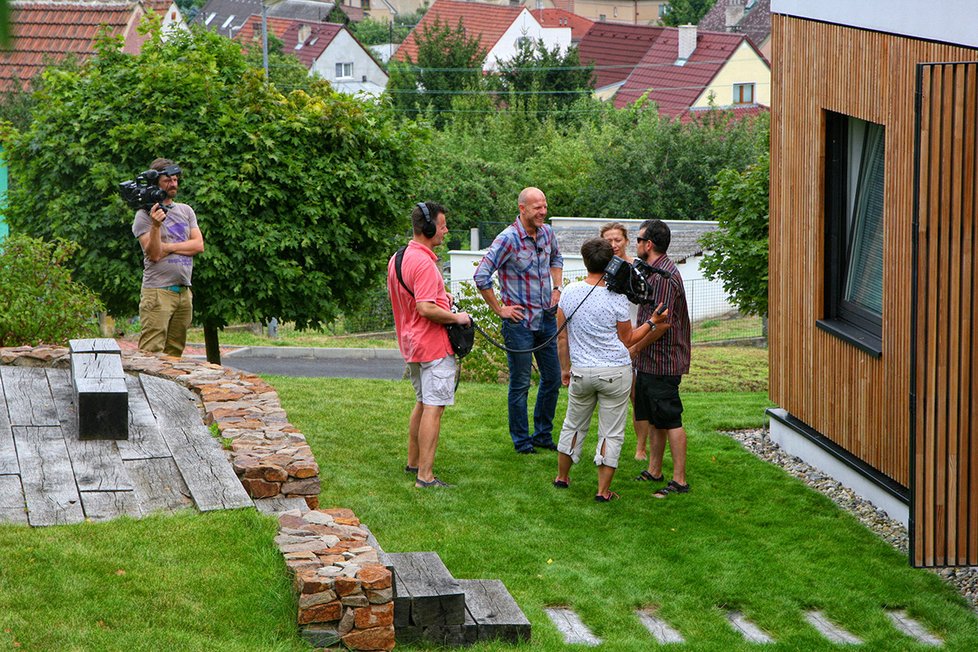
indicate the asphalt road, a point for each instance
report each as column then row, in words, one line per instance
column 318, row 363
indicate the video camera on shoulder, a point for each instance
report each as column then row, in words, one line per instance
column 631, row 280
column 142, row 192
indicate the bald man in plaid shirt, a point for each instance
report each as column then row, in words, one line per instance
column 530, row 271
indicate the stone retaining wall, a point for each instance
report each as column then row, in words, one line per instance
column 268, row 454
column 345, row 593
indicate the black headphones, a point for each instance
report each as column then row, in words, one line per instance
column 429, row 227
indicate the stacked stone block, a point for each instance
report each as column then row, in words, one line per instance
column 345, row 593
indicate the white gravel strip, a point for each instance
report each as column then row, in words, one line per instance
column 963, row 578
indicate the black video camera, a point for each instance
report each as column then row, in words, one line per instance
column 142, row 192
column 630, row 280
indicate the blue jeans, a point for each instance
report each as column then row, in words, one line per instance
column 518, row 336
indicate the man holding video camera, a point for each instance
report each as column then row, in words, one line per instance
column 661, row 363
column 170, row 238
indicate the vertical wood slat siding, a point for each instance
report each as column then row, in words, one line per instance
column 859, row 402
column 945, row 522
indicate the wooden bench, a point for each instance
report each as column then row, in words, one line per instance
column 99, row 386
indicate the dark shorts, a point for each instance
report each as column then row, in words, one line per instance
column 657, row 401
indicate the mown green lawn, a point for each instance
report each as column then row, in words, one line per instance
column 747, row 537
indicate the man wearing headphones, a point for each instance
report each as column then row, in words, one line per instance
column 422, row 308
column 531, row 272
column 170, row 239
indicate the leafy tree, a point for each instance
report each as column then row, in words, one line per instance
column 538, row 79
column 374, row 32
column 649, row 166
column 297, row 195
column 449, row 64
column 39, row 303
column 686, row 12
column 740, row 247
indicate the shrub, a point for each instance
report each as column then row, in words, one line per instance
column 39, row 303
column 486, row 363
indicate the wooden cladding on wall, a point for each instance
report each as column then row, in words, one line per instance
column 859, row 402
column 945, row 325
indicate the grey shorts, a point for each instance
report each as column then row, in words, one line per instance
column 434, row 382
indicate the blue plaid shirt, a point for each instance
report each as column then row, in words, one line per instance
column 524, row 266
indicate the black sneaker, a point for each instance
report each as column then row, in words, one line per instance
column 527, row 451
column 550, row 446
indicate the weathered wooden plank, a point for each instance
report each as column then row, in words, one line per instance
column 495, row 612
column 8, row 454
column 158, row 485
column 97, row 465
column 140, row 414
column 144, row 442
column 106, row 505
column 13, row 509
column 59, row 380
column 751, row 632
column 94, row 345
column 660, row 629
column 571, row 627
column 435, row 597
column 832, row 632
column 96, row 365
column 48, row 481
column 29, row 400
column 205, row 469
column 174, row 406
column 915, row 630
column 103, row 408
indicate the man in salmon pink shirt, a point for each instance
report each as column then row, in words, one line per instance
column 422, row 308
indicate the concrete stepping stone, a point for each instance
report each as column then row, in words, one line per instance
column 913, row 629
column 831, row 631
column 659, row 628
column 751, row 632
column 570, row 625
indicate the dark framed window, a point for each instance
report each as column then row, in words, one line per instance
column 854, row 212
column 743, row 93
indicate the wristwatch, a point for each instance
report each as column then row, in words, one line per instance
column 651, row 324
column 557, row 288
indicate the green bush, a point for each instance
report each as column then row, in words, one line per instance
column 486, row 363
column 39, row 303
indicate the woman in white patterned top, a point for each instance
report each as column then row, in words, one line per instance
column 596, row 367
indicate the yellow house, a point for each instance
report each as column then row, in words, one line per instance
column 687, row 69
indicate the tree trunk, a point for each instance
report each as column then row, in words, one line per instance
column 211, row 344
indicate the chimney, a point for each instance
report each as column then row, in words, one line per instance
column 304, row 31
column 735, row 13
column 687, row 42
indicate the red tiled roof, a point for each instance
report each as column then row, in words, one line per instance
column 732, row 113
column 47, row 32
column 579, row 25
column 675, row 88
column 615, row 49
column 316, row 39
column 755, row 24
column 488, row 22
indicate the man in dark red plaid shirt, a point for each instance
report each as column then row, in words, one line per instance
column 661, row 361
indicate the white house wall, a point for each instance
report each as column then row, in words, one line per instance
column 344, row 49
column 526, row 26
